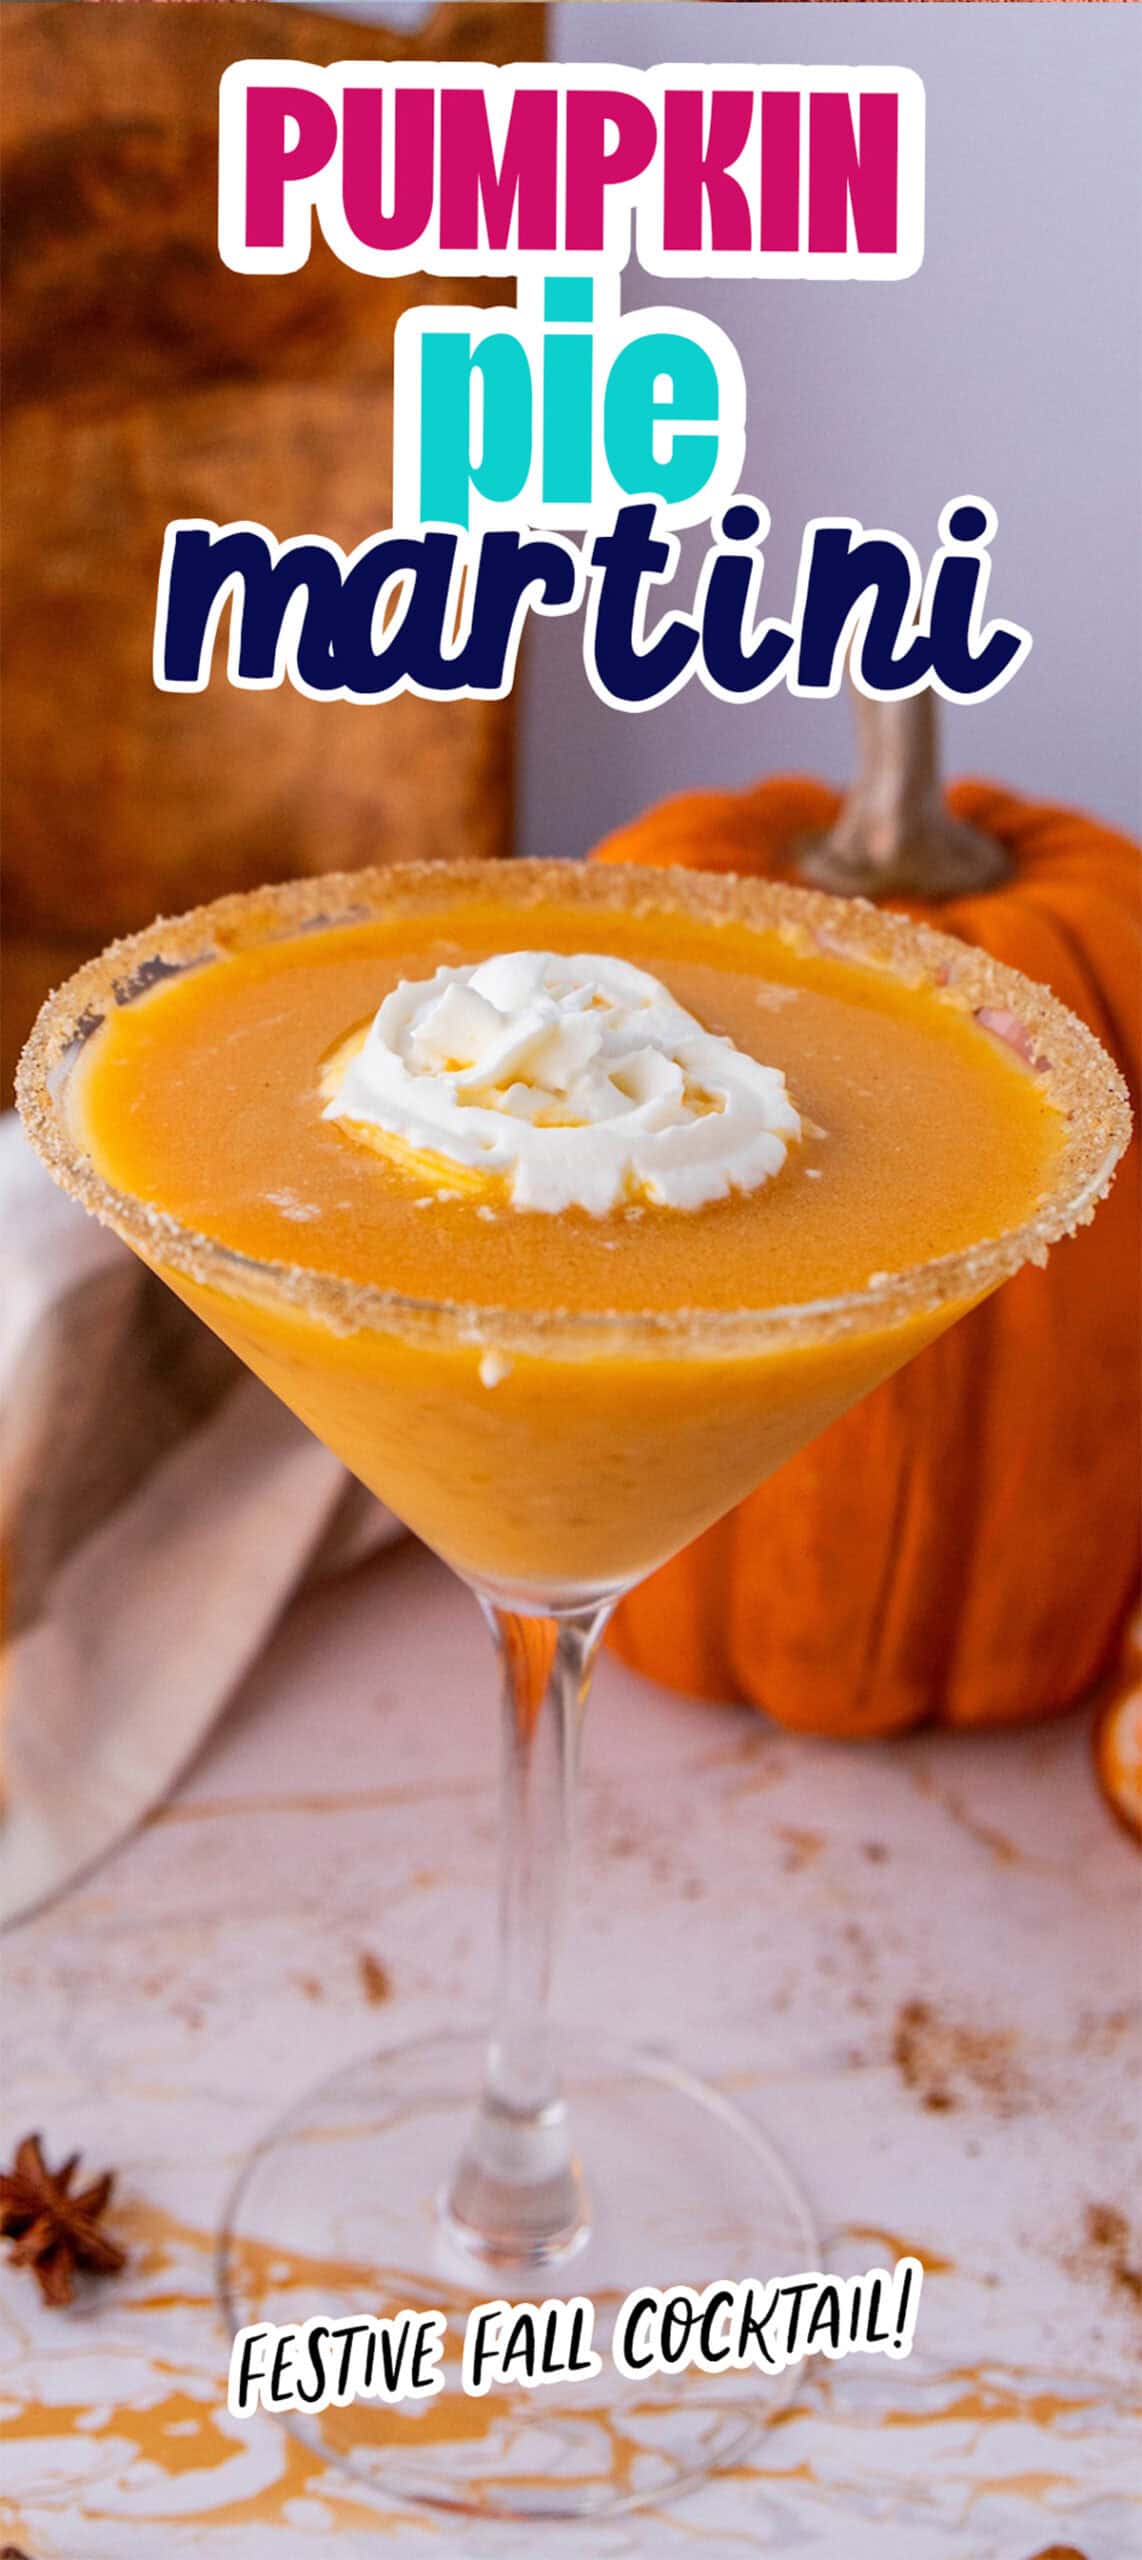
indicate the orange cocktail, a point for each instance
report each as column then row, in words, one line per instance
column 531, row 1447
column 564, row 1205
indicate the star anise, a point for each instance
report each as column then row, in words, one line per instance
column 52, row 2230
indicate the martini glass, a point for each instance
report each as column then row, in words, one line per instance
column 516, row 2164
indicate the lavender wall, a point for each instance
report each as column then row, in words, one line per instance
column 1009, row 365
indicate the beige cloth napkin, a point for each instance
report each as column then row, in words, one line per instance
column 159, row 1508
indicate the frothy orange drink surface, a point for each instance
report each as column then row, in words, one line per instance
column 596, row 1391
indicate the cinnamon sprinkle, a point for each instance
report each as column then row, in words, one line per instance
column 945, row 2063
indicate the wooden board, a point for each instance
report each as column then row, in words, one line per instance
column 145, row 381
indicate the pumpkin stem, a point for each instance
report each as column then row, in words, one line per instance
column 895, row 835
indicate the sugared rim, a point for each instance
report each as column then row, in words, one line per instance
column 1077, row 1076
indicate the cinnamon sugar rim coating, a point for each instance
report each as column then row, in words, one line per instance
column 1076, row 1075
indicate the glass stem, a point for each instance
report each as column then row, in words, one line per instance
column 516, row 2197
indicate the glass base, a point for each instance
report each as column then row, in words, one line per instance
column 338, row 2213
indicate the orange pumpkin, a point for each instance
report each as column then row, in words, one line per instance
column 1117, row 1738
column 965, row 1543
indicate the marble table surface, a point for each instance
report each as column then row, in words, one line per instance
column 916, row 1964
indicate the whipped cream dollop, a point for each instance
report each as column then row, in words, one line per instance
column 577, row 1080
